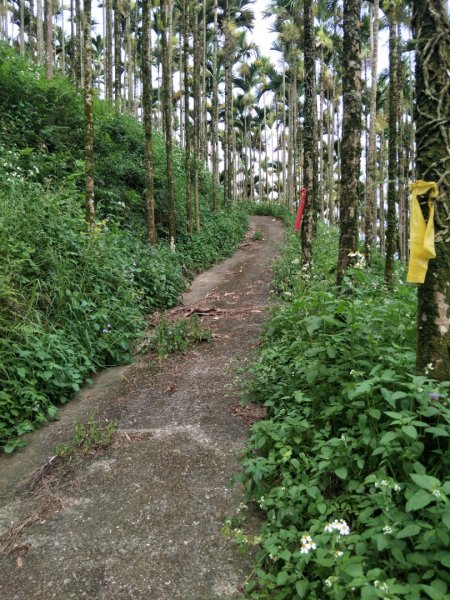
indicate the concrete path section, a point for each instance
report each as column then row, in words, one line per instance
column 142, row 519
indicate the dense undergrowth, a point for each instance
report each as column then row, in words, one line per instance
column 351, row 467
column 71, row 299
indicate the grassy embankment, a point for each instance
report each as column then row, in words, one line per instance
column 73, row 300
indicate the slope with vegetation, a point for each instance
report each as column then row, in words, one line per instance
column 74, row 299
column 351, row 467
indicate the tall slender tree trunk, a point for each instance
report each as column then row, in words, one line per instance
column 290, row 140
column 89, row 115
column 309, row 151
column 319, row 131
column 78, row 44
column 187, row 122
column 228, row 63
column 22, row 28
column 391, row 232
column 371, row 186
column 330, row 126
column 73, row 62
column 197, row 115
column 432, row 116
column 204, row 94
column 351, row 137
column 32, row 34
column 283, row 138
column 148, row 124
column 382, row 155
column 40, row 33
column 129, row 58
column 166, row 6
column 48, row 13
column 400, row 149
column 63, row 39
column 118, row 54
column 108, row 51
column 215, row 111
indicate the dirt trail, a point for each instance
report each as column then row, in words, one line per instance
column 142, row 519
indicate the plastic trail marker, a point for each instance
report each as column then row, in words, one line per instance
column 298, row 220
column 422, row 232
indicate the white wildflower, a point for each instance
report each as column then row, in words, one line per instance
column 381, row 585
column 387, row 530
column 307, row 544
column 344, row 529
column 340, row 526
column 436, row 493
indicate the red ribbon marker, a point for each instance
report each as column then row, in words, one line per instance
column 298, row 220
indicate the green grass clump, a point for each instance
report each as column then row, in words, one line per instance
column 177, row 336
column 351, row 469
column 91, row 436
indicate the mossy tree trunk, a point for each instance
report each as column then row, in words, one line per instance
column 351, row 136
column 369, row 217
column 309, row 151
column 22, row 28
column 147, row 93
column 432, row 117
column 391, row 231
column 118, row 54
column 215, row 110
column 129, row 58
column 108, row 51
column 166, row 39
column 187, row 122
column 89, row 116
column 48, row 13
column 197, row 111
column 79, row 44
column 228, row 66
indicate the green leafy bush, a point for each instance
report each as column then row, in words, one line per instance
column 73, row 300
column 218, row 238
column 270, row 209
column 352, row 466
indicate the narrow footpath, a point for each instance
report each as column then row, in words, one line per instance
column 142, row 519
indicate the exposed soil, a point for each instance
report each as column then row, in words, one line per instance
column 142, row 519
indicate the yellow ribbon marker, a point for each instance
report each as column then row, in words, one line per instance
column 421, row 231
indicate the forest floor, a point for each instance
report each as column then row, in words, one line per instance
column 142, row 518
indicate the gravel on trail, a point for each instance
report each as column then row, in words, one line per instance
column 142, row 519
